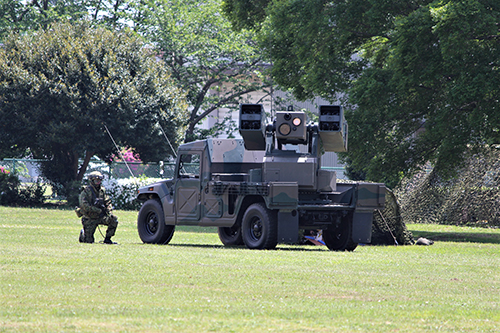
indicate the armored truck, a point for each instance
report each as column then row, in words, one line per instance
column 266, row 188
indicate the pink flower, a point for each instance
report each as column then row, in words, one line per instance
column 128, row 156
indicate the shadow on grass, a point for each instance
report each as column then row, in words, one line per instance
column 278, row 248
column 491, row 238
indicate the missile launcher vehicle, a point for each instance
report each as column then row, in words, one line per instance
column 265, row 188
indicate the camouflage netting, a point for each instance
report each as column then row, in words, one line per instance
column 471, row 199
column 388, row 226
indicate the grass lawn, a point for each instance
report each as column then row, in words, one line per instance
column 51, row 283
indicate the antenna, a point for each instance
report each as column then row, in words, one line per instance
column 119, row 152
column 165, row 135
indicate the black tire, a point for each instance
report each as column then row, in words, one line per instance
column 339, row 237
column 231, row 236
column 259, row 228
column 151, row 224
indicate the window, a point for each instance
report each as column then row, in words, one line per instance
column 189, row 166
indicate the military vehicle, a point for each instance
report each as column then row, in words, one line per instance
column 266, row 188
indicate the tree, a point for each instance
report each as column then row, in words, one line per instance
column 421, row 77
column 216, row 66
column 26, row 16
column 245, row 14
column 62, row 90
column 439, row 82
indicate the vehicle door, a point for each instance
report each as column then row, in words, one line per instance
column 188, row 188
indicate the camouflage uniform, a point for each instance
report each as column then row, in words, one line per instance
column 92, row 214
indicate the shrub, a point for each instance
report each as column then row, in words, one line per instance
column 32, row 195
column 13, row 194
column 9, row 188
column 123, row 192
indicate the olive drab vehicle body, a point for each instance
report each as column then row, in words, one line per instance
column 265, row 188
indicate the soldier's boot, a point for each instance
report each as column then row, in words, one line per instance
column 81, row 239
column 108, row 240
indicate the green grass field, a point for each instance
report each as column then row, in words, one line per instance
column 51, row 283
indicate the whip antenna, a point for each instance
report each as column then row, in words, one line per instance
column 119, row 152
column 166, row 138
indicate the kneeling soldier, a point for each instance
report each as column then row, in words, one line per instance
column 96, row 209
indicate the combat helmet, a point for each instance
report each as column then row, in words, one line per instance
column 95, row 174
column 95, row 178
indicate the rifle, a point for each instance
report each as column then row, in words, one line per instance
column 99, row 203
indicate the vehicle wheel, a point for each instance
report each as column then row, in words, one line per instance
column 231, row 236
column 339, row 237
column 259, row 228
column 151, row 224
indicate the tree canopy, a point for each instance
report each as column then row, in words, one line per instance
column 60, row 88
column 215, row 65
column 26, row 16
column 422, row 77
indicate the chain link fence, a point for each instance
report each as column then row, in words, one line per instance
column 28, row 169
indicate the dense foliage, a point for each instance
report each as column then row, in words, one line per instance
column 215, row 65
column 422, row 77
column 12, row 193
column 29, row 16
column 62, row 89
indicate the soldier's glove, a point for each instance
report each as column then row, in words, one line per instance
column 99, row 203
column 78, row 211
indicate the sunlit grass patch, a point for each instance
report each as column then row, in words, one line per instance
column 49, row 282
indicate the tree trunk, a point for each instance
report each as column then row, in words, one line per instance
column 189, row 133
column 85, row 164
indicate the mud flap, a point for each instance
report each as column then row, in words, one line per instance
column 288, row 227
column 362, row 227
